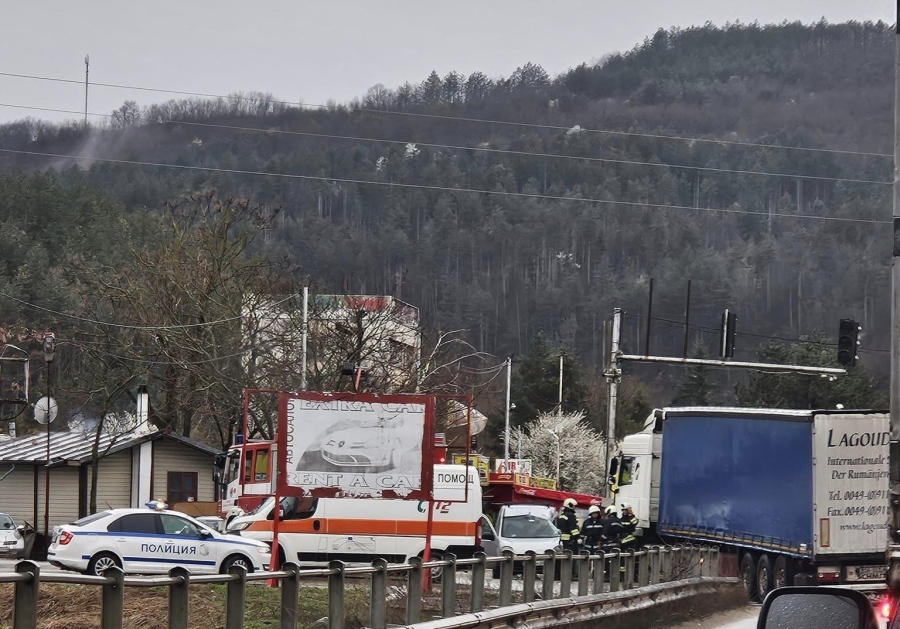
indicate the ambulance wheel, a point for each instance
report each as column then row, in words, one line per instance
column 783, row 575
column 236, row 560
column 438, row 571
column 102, row 561
column 747, row 573
column 763, row 576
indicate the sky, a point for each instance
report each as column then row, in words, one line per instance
column 314, row 51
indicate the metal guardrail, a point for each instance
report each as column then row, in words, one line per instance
column 599, row 578
column 565, row 611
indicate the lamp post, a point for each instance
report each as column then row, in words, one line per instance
column 558, row 451
column 49, row 346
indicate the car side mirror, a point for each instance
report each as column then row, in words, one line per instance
column 204, row 533
column 816, row 607
column 487, row 536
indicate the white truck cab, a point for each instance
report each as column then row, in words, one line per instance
column 635, row 473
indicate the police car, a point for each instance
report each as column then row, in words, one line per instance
column 151, row 540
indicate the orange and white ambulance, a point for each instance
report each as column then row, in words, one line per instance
column 362, row 529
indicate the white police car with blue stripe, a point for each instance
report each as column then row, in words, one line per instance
column 142, row 541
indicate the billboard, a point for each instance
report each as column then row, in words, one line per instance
column 513, row 466
column 356, row 445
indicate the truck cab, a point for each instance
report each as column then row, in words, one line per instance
column 634, row 473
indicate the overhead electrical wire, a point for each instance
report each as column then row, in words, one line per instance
column 708, row 330
column 160, row 328
column 499, row 193
column 457, row 118
column 482, row 149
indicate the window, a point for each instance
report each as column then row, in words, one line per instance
column 181, row 487
column 173, row 525
column 147, row 523
column 6, row 522
column 91, row 518
column 256, row 465
column 627, row 471
column 261, row 466
column 293, row 508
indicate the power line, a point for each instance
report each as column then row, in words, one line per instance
column 500, row 193
column 607, row 160
column 135, row 327
column 772, row 337
column 51, row 109
column 483, row 149
column 461, row 118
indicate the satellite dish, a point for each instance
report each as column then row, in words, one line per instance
column 45, row 410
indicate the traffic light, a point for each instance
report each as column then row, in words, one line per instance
column 848, row 341
column 726, row 334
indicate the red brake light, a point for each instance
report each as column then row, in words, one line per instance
column 64, row 538
column 885, row 606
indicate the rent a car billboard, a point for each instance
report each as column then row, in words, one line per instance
column 362, row 447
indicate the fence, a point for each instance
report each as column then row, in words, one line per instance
column 595, row 574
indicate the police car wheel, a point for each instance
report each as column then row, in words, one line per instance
column 237, row 560
column 102, row 561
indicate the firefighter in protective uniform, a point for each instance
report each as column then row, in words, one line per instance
column 629, row 527
column 592, row 530
column 567, row 523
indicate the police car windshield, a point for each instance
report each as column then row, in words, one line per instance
column 530, row 526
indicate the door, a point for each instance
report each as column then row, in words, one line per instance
column 490, row 543
column 184, row 545
column 134, row 535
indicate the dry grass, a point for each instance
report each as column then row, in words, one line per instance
column 78, row 607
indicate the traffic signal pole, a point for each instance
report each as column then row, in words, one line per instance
column 893, row 550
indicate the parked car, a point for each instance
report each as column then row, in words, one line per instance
column 12, row 538
column 520, row 528
column 151, row 541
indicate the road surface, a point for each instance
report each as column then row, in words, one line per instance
column 741, row 618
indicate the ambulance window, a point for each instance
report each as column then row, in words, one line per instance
column 627, row 472
column 173, row 525
column 261, row 466
column 137, row 523
column 294, row 508
column 248, row 465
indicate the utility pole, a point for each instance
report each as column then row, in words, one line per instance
column 893, row 550
column 613, row 375
column 560, row 376
column 87, row 70
column 304, row 333
column 506, row 433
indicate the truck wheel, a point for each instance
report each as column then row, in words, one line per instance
column 783, row 572
column 763, row 576
column 747, row 573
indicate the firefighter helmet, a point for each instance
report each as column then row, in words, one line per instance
column 569, row 503
column 594, row 509
column 610, row 510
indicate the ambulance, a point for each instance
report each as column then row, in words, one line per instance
column 362, row 529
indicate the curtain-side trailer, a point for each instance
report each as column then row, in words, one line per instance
column 796, row 496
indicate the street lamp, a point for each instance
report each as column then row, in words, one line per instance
column 45, row 411
column 558, row 451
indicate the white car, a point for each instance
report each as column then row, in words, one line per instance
column 143, row 541
column 12, row 538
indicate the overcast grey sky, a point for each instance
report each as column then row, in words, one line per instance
column 335, row 49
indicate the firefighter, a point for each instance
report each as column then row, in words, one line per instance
column 612, row 527
column 567, row 523
column 592, row 530
column 629, row 527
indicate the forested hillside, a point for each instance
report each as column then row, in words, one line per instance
column 532, row 203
